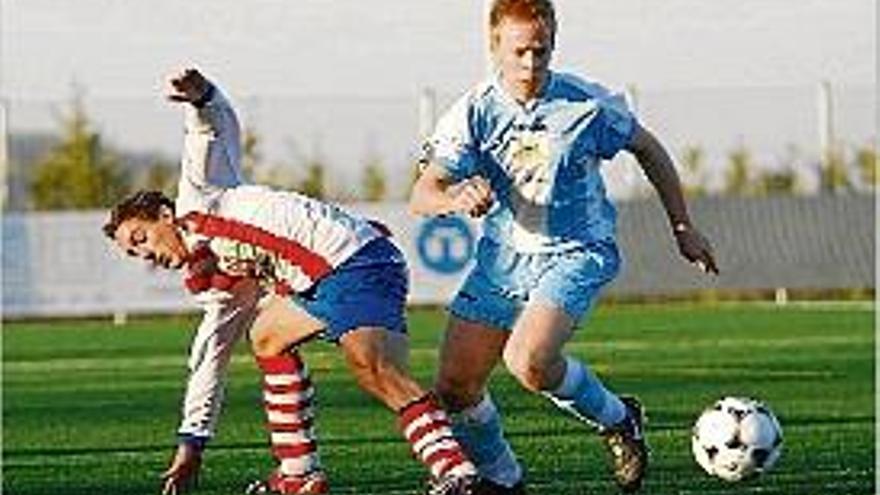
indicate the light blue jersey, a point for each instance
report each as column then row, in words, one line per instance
column 542, row 160
column 550, row 236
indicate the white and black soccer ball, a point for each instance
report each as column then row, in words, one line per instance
column 737, row 438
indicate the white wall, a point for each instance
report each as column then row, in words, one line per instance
column 57, row 264
column 60, row 264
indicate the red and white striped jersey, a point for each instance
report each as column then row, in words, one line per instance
column 284, row 238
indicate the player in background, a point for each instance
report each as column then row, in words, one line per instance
column 524, row 149
column 281, row 268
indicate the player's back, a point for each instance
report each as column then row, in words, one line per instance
column 323, row 228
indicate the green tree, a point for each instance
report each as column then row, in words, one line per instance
column 161, row 175
column 373, row 182
column 834, row 175
column 774, row 183
column 783, row 181
column 693, row 160
column 868, row 162
column 251, row 155
column 79, row 172
column 313, row 184
column 257, row 170
column 738, row 174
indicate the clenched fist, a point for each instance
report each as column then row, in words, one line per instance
column 473, row 196
column 188, row 85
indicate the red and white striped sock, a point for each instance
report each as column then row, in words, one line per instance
column 428, row 430
column 288, row 400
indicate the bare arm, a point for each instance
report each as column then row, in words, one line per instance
column 660, row 170
column 434, row 194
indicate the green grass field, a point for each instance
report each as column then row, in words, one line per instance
column 91, row 409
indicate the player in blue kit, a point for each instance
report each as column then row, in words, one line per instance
column 524, row 149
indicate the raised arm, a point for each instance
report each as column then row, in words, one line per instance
column 211, row 159
column 660, row 170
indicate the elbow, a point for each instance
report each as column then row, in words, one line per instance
column 415, row 207
column 428, row 196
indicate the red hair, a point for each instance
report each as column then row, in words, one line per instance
column 527, row 10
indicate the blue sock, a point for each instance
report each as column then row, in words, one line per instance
column 478, row 429
column 583, row 395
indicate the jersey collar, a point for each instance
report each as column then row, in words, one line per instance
column 530, row 105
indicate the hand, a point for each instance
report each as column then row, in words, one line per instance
column 183, row 473
column 188, row 85
column 473, row 196
column 695, row 248
column 202, row 262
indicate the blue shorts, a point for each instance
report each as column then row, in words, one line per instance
column 367, row 290
column 503, row 281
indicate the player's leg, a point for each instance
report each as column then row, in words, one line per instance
column 568, row 288
column 287, row 397
column 363, row 303
column 378, row 359
column 534, row 356
column 476, row 420
column 280, row 325
column 461, row 387
column 483, row 311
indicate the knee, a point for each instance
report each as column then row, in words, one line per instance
column 456, row 392
column 267, row 343
column 532, row 369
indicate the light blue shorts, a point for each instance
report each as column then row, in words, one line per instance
column 504, row 281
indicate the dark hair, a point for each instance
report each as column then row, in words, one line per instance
column 146, row 205
column 541, row 10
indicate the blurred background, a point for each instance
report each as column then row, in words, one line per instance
column 769, row 110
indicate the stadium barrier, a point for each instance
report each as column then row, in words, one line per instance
column 59, row 264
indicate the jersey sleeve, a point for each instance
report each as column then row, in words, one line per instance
column 211, row 158
column 613, row 126
column 453, row 146
column 227, row 315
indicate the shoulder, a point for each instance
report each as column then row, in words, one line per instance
column 576, row 87
column 242, row 202
column 465, row 113
column 473, row 100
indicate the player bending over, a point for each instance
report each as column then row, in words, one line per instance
column 282, row 268
column 525, row 147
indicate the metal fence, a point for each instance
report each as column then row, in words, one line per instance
column 822, row 242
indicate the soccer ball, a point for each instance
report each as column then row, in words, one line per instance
column 737, row 438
